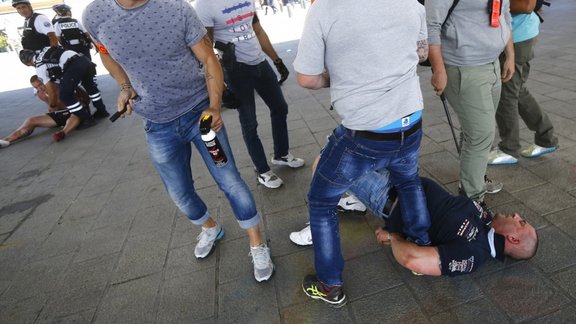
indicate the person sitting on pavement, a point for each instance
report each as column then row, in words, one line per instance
column 71, row 33
column 69, row 69
column 38, row 30
column 464, row 235
column 516, row 99
column 57, row 116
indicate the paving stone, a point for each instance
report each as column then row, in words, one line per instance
column 181, row 300
column 565, row 315
column 478, row 311
column 555, row 250
column 24, row 310
column 438, row 294
column 370, row 274
column 545, row 199
column 443, row 165
column 235, row 263
column 565, row 280
column 103, row 241
column 120, row 304
column 522, row 293
column 182, row 261
column 564, row 220
column 142, row 255
column 232, row 306
column 555, row 172
column 315, row 312
column 396, row 305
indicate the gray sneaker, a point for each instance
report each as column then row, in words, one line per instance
column 263, row 266
column 492, row 187
column 289, row 160
column 207, row 240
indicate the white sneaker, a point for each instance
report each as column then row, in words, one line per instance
column 288, row 160
column 263, row 266
column 4, row 143
column 207, row 240
column 351, row 204
column 534, row 150
column 497, row 157
column 303, row 237
column 270, row 180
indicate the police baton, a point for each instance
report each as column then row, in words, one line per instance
column 445, row 104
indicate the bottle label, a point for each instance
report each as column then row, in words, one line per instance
column 216, row 152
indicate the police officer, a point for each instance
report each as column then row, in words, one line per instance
column 38, row 30
column 70, row 31
column 69, row 69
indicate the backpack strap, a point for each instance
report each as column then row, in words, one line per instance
column 450, row 11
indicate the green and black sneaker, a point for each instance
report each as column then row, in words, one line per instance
column 315, row 289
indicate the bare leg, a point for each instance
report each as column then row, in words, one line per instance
column 29, row 125
column 71, row 124
column 255, row 236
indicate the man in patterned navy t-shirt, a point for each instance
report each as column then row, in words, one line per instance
column 464, row 235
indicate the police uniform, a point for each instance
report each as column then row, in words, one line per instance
column 72, row 35
column 36, row 29
column 69, row 69
column 460, row 230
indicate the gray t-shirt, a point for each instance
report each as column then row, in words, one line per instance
column 369, row 50
column 232, row 23
column 152, row 43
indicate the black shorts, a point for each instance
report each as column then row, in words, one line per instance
column 60, row 117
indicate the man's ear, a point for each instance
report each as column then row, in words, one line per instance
column 513, row 239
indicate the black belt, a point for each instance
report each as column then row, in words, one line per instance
column 71, row 60
column 396, row 136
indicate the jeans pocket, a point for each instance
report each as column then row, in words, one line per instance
column 147, row 125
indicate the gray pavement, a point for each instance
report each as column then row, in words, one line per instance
column 88, row 234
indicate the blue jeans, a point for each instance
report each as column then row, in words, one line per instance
column 372, row 190
column 243, row 80
column 171, row 153
column 344, row 160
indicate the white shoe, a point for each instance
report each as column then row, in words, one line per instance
column 351, row 204
column 534, row 150
column 303, row 237
column 288, row 160
column 497, row 157
column 263, row 266
column 270, row 180
column 4, row 143
column 207, row 241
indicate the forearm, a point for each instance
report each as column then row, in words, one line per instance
column 509, row 49
column 52, row 96
column 115, row 70
column 214, row 81
column 436, row 60
column 264, row 41
column 420, row 259
column 422, row 50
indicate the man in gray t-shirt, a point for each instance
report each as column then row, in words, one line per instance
column 155, row 49
column 237, row 33
column 368, row 56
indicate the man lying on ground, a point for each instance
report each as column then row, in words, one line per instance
column 463, row 234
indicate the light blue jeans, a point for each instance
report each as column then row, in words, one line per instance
column 171, row 152
column 345, row 159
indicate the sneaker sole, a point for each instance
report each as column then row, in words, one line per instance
column 503, row 163
column 339, row 304
column 271, row 275
column 282, row 163
column 298, row 244
column 218, row 238
column 351, row 211
column 547, row 151
column 268, row 186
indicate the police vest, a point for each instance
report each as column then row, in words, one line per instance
column 71, row 34
column 32, row 39
column 51, row 57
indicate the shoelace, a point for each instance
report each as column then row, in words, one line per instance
column 204, row 236
column 260, row 256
